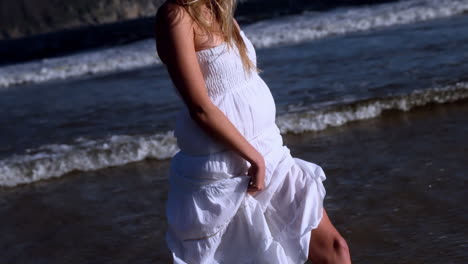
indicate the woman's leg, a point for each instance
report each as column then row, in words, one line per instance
column 327, row 245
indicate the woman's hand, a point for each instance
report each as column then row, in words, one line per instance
column 257, row 172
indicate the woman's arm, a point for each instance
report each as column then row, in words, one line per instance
column 175, row 46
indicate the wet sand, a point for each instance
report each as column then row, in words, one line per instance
column 395, row 189
column 396, row 185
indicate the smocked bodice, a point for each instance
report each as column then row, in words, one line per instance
column 222, row 68
column 244, row 98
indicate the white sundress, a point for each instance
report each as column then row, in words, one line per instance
column 211, row 218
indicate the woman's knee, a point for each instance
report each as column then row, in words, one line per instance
column 341, row 249
column 327, row 245
column 336, row 251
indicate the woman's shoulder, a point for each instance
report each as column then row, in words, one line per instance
column 171, row 14
column 172, row 24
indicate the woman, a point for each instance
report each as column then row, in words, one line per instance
column 236, row 195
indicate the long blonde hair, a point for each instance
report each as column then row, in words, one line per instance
column 222, row 12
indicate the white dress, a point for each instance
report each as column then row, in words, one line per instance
column 211, row 218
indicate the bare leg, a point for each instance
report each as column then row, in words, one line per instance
column 327, row 245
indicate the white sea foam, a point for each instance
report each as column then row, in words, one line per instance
column 121, row 58
column 339, row 115
column 84, row 154
column 268, row 33
column 315, row 25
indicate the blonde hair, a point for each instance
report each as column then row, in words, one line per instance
column 222, row 12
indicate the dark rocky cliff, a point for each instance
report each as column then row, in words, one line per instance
column 19, row 18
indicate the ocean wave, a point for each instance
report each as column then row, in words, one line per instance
column 315, row 25
column 121, row 58
column 267, row 33
column 338, row 115
column 84, row 154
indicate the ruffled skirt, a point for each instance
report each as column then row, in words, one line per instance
column 211, row 218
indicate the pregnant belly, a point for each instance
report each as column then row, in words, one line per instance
column 250, row 109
